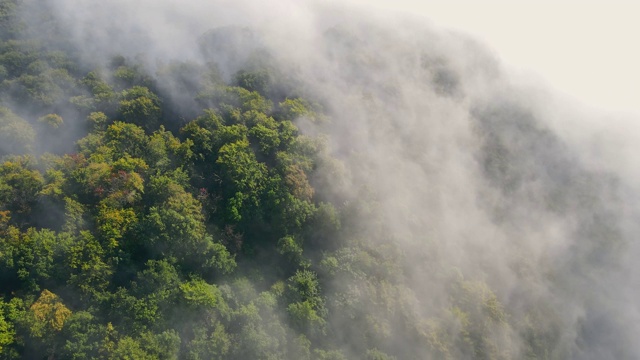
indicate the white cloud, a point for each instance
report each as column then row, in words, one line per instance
column 585, row 49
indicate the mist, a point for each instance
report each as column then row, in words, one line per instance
column 483, row 206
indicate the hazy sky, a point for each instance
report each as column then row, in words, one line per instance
column 586, row 49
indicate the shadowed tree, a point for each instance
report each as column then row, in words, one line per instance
column 16, row 134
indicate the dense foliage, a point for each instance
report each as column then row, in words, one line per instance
column 148, row 243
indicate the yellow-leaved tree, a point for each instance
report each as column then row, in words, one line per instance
column 48, row 315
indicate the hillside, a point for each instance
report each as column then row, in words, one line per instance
column 367, row 194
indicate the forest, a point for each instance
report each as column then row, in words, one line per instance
column 190, row 209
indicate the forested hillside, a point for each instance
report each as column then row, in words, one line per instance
column 230, row 207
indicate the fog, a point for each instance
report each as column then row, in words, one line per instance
column 477, row 178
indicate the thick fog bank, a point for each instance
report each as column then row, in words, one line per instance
column 476, row 181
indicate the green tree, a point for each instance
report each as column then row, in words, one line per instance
column 126, row 138
column 7, row 331
column 16, row 135
column 175, row 228
column 306, row 305
column 89, row 268
column 141, row 107
column 52, row 121
column 103, row 96
column 83, row 334
column 20, row 186
column 244, row 177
